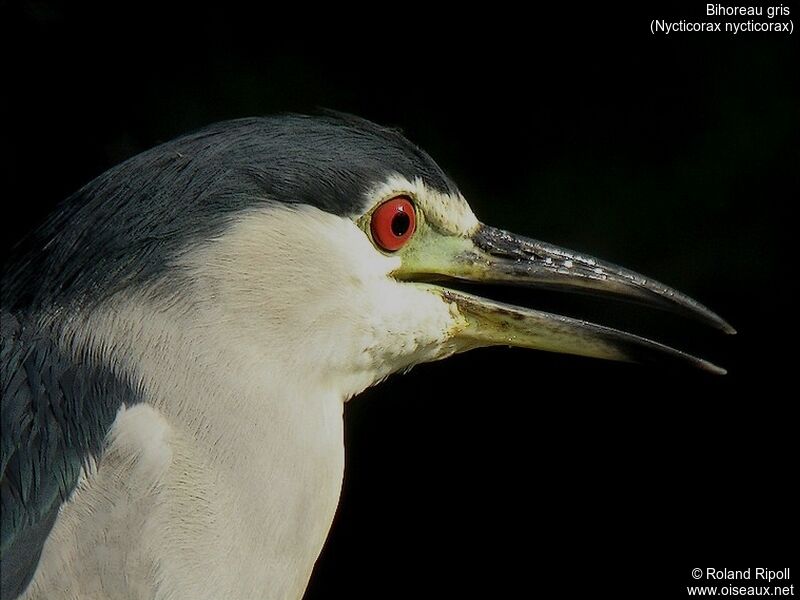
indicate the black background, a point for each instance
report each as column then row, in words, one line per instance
column 503, row 472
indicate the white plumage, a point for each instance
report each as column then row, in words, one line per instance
column 238, row 453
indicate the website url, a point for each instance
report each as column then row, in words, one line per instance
column 734, row 590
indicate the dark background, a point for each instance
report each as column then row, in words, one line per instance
column 503, row 472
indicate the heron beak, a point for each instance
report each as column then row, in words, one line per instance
column 494, row 256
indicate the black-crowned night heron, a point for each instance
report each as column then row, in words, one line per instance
column 179, row 339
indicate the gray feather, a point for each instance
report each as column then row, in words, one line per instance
column 55, row 414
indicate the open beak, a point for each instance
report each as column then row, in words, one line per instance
column 495, row 256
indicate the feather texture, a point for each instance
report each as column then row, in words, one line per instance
column 55, row 414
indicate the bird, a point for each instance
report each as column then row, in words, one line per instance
column 181, row 335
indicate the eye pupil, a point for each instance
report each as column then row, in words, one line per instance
column 400, row 224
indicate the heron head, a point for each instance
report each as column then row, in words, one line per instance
column 326, row 243
column 354, row 261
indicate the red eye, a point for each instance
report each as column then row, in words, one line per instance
column 393, row 222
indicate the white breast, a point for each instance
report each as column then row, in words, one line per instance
column 223, row 485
